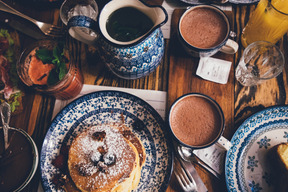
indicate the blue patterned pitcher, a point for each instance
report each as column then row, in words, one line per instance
column 130, row 59
column 139, row 57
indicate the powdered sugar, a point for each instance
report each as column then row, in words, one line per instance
column 105, row 157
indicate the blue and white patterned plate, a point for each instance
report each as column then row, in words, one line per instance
column 197, row 2
column 247, row 166
column 106, row 107
column 243, row 1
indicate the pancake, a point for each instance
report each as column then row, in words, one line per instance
column 131, row 182
column 278, row 157
column 102, row 159
column 129, row 135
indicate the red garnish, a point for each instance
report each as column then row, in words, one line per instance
column 60, row 161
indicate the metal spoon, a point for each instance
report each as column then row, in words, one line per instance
column 187, row 155
column 5, row 116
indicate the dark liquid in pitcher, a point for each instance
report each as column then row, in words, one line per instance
column 127, row 24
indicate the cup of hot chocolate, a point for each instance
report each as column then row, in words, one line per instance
column 203, row 30
column 197, row 121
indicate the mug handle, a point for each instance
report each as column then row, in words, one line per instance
column 230, row 47
column 75, row 24
column 224, row 143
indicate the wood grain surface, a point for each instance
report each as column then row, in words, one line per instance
column 176, row 75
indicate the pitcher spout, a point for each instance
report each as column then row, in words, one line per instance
column 157, row 13
column 122, row 28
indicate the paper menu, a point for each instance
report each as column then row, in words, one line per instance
column 157, row 99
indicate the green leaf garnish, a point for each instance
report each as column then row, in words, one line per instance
column 44, row 55
column 56, row 57
column 53, row 77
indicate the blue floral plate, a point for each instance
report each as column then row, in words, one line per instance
column 196, row 2
column 247, row 166
column 106, row 107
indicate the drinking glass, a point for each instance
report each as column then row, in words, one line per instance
column 260, row 61
column 68, row 87
column 269, row 22
column 80, row 16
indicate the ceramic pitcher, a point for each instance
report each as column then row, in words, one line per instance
column 139, row 57
column 131, row 59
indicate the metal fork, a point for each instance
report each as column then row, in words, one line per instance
column 184, row 178
column 47, row 29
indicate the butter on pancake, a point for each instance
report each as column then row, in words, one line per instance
column 102, row 159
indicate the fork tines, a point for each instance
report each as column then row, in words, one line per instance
column 55, row 31
column 185, row 179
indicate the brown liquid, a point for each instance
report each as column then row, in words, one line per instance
column 195, row 121
column 16, row 162
column 203, row 28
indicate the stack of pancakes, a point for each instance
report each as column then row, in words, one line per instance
column 106, row 158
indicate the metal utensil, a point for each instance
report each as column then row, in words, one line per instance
column 184, row 178
column 47, row 29
column 5, row 116
column 187, row 155
column 23, row 28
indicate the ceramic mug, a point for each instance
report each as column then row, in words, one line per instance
column 196, row 121
column 203, row 30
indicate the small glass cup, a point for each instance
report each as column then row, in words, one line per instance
column 68, row 87
column 80, row 16
column 260, row 61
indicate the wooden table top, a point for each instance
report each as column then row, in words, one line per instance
column 176, row 75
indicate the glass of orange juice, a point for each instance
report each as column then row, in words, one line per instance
column 268, row 22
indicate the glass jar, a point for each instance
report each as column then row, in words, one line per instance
column 66, row 88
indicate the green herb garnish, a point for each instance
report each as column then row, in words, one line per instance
column 56, row 57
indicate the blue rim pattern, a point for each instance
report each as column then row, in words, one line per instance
column 198, row 2
column 82, row 21
column 107, row 107
column 265, row 129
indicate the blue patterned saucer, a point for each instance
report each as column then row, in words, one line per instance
column 196, row 2
column 247, row 167
column 106, row 107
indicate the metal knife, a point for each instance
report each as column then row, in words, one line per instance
column 24, row 28
column 189, row 167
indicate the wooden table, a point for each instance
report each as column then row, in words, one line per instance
column 176, row 75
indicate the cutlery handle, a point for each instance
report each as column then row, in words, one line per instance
column 5, row 116
column 6, row 8
column 5, row 113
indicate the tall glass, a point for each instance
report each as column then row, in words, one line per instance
column 269, row 22
column 260, row 61
column 66, row 88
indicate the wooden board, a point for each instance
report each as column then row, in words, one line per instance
column 183, row 79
